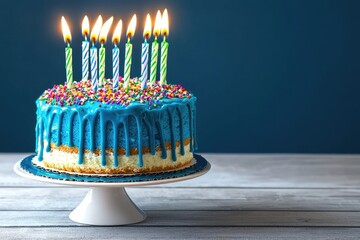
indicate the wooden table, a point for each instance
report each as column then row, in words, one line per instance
column 243, row 196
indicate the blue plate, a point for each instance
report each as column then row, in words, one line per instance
column 27, row 165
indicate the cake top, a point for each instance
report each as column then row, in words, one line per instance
column 81, row 93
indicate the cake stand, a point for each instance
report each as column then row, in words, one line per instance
column 107, row 202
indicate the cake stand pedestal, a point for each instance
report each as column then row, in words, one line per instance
column 107, row 203
column 107, row 206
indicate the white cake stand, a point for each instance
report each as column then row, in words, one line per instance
column 107, row 203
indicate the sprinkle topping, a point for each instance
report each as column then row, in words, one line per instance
column 81, row 92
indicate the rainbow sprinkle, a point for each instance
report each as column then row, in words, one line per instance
column 82, row 92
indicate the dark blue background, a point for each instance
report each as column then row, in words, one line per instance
column 270, row 75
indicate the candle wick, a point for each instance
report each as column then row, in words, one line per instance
column 146, row 36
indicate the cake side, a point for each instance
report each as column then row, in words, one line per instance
column 67, row 161
column 94, row 136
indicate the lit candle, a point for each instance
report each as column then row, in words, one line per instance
column 128, row 52
column 93, row 53
column 68, row 53
column 85, row 49
column 164, row 47
column 155, row 49
column 102, row 39
column 145, row 53
column 115, row 54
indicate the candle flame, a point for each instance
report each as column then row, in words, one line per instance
column 65, row 30
column 131, row 28
column 85, row 26
column 147, row 29
column 96, row 29
column 105, row 29
column 165, row 23
column 117, row 33
column 157, row 26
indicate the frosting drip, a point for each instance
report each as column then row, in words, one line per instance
column 95, row 126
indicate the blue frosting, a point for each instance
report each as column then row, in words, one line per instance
column 99, row 126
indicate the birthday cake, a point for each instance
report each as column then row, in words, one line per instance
column 115, row 131
column 118, row 125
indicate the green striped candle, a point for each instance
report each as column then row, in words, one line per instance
column 68, row 53
column 68, row 66
column 101, row 65
column 163, row 63
column 128, row 52
column 103, row 36
column 164, row 47
column 154, row 60
column 127, row 63
column 155, row 49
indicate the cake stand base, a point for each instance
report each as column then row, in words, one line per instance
column 105, row 206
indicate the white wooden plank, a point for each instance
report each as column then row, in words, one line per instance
column 247, row 171
column 191, row 199
column 197, row 218
column 137, row 232
column 8, row 176
column 268, row 196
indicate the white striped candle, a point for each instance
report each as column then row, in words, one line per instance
column 93, row 54
column 144, row 64
column 94, row 68
column 115, row 61
column 85, row 60
column 145, row 53
column 116, row 54
column 85, row 49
